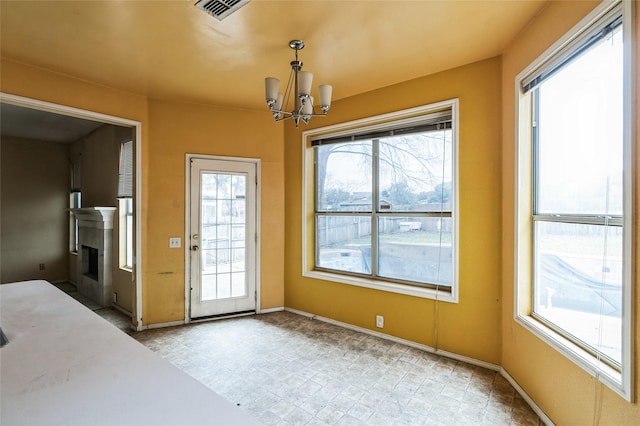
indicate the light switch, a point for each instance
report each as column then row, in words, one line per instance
column 174, row 242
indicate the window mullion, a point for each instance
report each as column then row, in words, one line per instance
column 375, row 202
column 535, row 132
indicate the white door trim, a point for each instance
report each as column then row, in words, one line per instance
column 187, row 225
column 108, row 119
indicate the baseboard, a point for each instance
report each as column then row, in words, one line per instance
column 420, row 346
column 161, row 325
column 174, row 323
column 270, row 310
column 547, row 421
column 121, row 309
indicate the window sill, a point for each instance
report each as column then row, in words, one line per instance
column 409, row 290
column 598, row 369
column 126, row 269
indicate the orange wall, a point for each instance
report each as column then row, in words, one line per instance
column 564, row 391
column 169, row 130
column 471, row 327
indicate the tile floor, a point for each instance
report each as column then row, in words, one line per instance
column 286, row 369
column 72, row 291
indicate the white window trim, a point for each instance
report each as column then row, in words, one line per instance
column 308, row 203
column 619, row 382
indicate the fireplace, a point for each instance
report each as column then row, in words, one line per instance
column 95, row 229
column 90, row 262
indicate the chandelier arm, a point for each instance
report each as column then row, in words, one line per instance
column 290, row 88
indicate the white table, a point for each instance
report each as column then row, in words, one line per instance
column 65, row 365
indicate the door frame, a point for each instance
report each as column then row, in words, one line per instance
column 187, row 226
column 118, row 121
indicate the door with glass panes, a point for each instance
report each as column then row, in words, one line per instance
column 222, row 237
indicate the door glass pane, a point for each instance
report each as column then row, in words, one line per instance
column 343, row 173
column 222, row 236
column 580, row 126
column 415, row 249
column 344, row 243
column 415, row 172
column 578, row 275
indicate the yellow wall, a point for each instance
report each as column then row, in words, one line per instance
column 471, row 327
column 174, row 131
column 564, row 391
column 169, row 130
column 481, row 326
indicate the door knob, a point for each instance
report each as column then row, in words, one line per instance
column 194, row 248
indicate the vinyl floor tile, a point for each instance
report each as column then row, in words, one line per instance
column 286, row 369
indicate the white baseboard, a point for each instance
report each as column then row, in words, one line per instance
column 420, row 346
column 547, row 421
column 270, row 310
column 174, row 323
column 162, row 324
column 432, row 350
column 120, row 309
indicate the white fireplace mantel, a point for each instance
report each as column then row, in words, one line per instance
column 95, row 229
column 101, row 216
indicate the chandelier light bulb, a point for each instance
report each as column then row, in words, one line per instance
column 271, row 86
column 324, row 91
column 307, row 107
column 305, row 79
column 278, row 104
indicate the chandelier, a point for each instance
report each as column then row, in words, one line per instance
column 296, row 102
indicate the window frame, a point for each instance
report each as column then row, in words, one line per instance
column 403, row 117
column 75, row 202
column 126, row 217
column 125, row 209
column 620, row 381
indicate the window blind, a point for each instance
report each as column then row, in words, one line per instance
column 600, row 30
column 125, row 174
column 437, row 121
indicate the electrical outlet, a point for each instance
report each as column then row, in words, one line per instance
column 175, row 242
column 379, row 321
column 42, row 266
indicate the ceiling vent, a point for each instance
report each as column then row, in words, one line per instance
column 220, row 9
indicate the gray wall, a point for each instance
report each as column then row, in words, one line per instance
column 34, row 225
column 99, row 156
column 35, row 183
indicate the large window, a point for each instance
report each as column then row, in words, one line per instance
column 384, row 203
column 579, row 208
